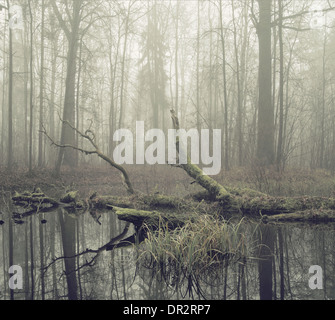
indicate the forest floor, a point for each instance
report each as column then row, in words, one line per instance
column 168, row 180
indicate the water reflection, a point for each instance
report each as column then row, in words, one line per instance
column 277, row 265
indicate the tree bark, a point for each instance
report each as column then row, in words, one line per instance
column 40, row 136
column 67, row 134
column 10, row 101
column 265, row 137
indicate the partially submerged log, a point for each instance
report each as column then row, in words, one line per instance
column 310, row 216
column 152, row 218
column 134, row 209
column 268, row 205
column 214, row 189
column 152, row 209
column 36, row 198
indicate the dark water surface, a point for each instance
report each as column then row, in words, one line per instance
column 277, row 267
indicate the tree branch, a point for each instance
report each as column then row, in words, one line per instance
column 60, row 19
column 97, row 151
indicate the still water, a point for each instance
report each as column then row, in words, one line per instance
column 277, row 266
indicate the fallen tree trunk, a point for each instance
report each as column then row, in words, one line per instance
column 313, row 216
column 214, row 189
column 152, row 209
column 135, row 209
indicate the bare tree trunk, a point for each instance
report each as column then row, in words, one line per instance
column 176, row 59
column 67, row 134
column 26, row 98
column 78, row 95
column 122, row 107
column 112, row 113
column 40, row 135
column 323, row 103
column 10, row 101
column 31, row 92
column 225, row 93
column 239, row 94
column 52, row 91
column 4, row 87
column 281, row 87
column 265, row 138
column 198, row 71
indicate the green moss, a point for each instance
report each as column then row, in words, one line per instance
column 71, row 196
column 151, row 218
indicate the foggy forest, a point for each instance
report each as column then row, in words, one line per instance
column 95, row 97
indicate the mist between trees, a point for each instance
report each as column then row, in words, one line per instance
column 260, row 71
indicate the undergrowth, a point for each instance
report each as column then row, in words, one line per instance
column 195, row 248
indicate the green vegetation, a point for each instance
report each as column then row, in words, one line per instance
column 195, row 247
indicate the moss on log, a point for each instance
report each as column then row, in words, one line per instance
column 267, row 205
column 35, row 198
column 151, row 209
column 151, row 218
column 313, row 216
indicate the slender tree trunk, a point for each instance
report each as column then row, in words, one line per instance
column 239, row 94
column 78, row 95
column 281, row 87
column 4, row 87
column 122, row 107
column 52, row 99
column 112, row 113
column 40, row 135
column 10, row 101
column 225, row 92
column 210, row 82
column 176, row 59
column 323, row 103
column 265, row 138
column 31, row 92
column 198, row 70
column 26, row 98
column 67, row 134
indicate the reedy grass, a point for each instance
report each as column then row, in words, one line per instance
column 194, row 248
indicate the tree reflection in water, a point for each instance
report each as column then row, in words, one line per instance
column 276, row 267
